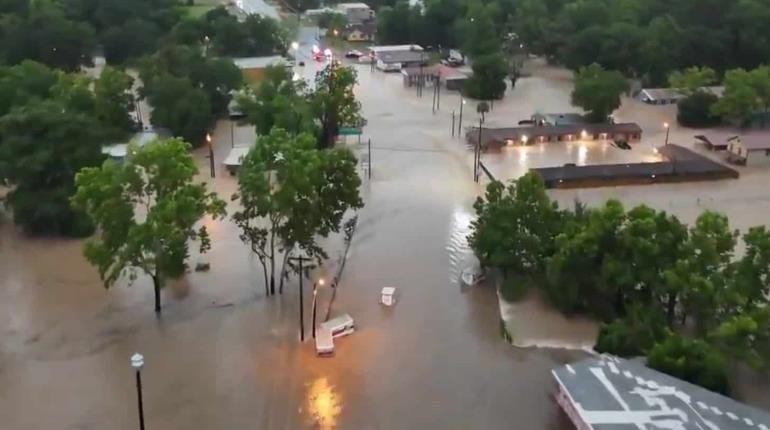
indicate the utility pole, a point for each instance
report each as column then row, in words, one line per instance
column 232, row 134
column 370, row 158
column 477, row 156
column 301, row 260
column 438, row 92
column 453, row 123
column 460, row 121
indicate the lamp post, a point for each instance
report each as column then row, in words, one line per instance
column 137, row 362
column 460, row 120
column 666, row 126
column 294, row 48
column 211, row 154
column 320, row 283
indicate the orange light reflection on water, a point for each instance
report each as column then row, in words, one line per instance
column 324, row 404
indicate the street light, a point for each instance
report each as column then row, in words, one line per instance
column 524, row 139
column 460, row 121
column 137, row 362
column 320, row 283
column 294, row 45
column 211, row 154
column 665, row 125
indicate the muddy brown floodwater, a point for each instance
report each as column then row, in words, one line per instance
column 223, row 356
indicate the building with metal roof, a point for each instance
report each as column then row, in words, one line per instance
column 609, row 393
column 665, row 96
column 749, row 149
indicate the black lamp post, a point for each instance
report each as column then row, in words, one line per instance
column 137, row 362
column 301, row 260
column 211, row 154
column 460, row 120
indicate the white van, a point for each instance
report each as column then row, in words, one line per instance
column 343, row 325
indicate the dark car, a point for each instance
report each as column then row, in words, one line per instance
column 353, row 54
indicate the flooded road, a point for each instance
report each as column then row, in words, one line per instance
column 222, row 356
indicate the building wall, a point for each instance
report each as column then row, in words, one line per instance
column 253, row 75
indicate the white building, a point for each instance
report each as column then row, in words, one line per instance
column 749, row 150
column 118, row 152
column 356, row 12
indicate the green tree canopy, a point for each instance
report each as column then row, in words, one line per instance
column 692, row 80
column 598, row 91
column 291, row 194
column 333, row 102
column 42, row 146
column 147, row 211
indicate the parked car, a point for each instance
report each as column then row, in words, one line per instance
column 354, row 53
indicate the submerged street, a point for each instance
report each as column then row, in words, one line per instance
column 223, row 356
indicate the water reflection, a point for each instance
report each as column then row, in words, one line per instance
column 324, row 404
column 460, row 254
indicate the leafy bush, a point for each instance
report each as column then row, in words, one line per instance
column 628, row 337
column 691, row 360
column 515, row 287
column 695, row 110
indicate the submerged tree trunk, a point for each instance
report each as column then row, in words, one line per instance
column 272, row 262
column 283, row 271
column 156, row 287
column 264, row 272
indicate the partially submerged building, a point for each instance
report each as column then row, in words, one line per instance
column 667, row 96
column 609, row 393
column 253, row 68
column 356, row 12
column 496, row 138
column 749, row 149
column 394, row 58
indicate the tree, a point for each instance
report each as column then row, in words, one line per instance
column 482, row 108
column 691, row 360
column 278, row 101
column 146, row 211
column 133, row 39
column 290, row 194
column 692, row 80
column 42, row 145
column 333, row 102
column 514, row 226
column 739, row 101
column 750, row 275
column 488, row 79
column 47, row 36
column 179, row 106
column 746, row 337
column 700, row 272
column 595, row 244
column 114, row 99
column 332, row 21
column 598, row 91
column 697, row 110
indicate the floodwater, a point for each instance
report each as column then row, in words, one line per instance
column 222, row 355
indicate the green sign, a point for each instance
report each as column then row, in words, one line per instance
column 349, row 131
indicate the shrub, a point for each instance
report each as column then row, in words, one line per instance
column 515, row 287
column 691, row 360
column 634, row 335
column 695, row 110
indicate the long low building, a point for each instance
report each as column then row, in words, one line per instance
column 609, row 393
column 667, row 96
column 679, row 165
column 496, row 138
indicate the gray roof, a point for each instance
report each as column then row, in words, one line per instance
column 613, row 394
column 259, row 62
column 753, row 142
column 402, row 56
column 655, row 94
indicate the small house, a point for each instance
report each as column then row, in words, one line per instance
column 356, row 12
column 360, row 32
column 253, row 68
column 749, row 150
